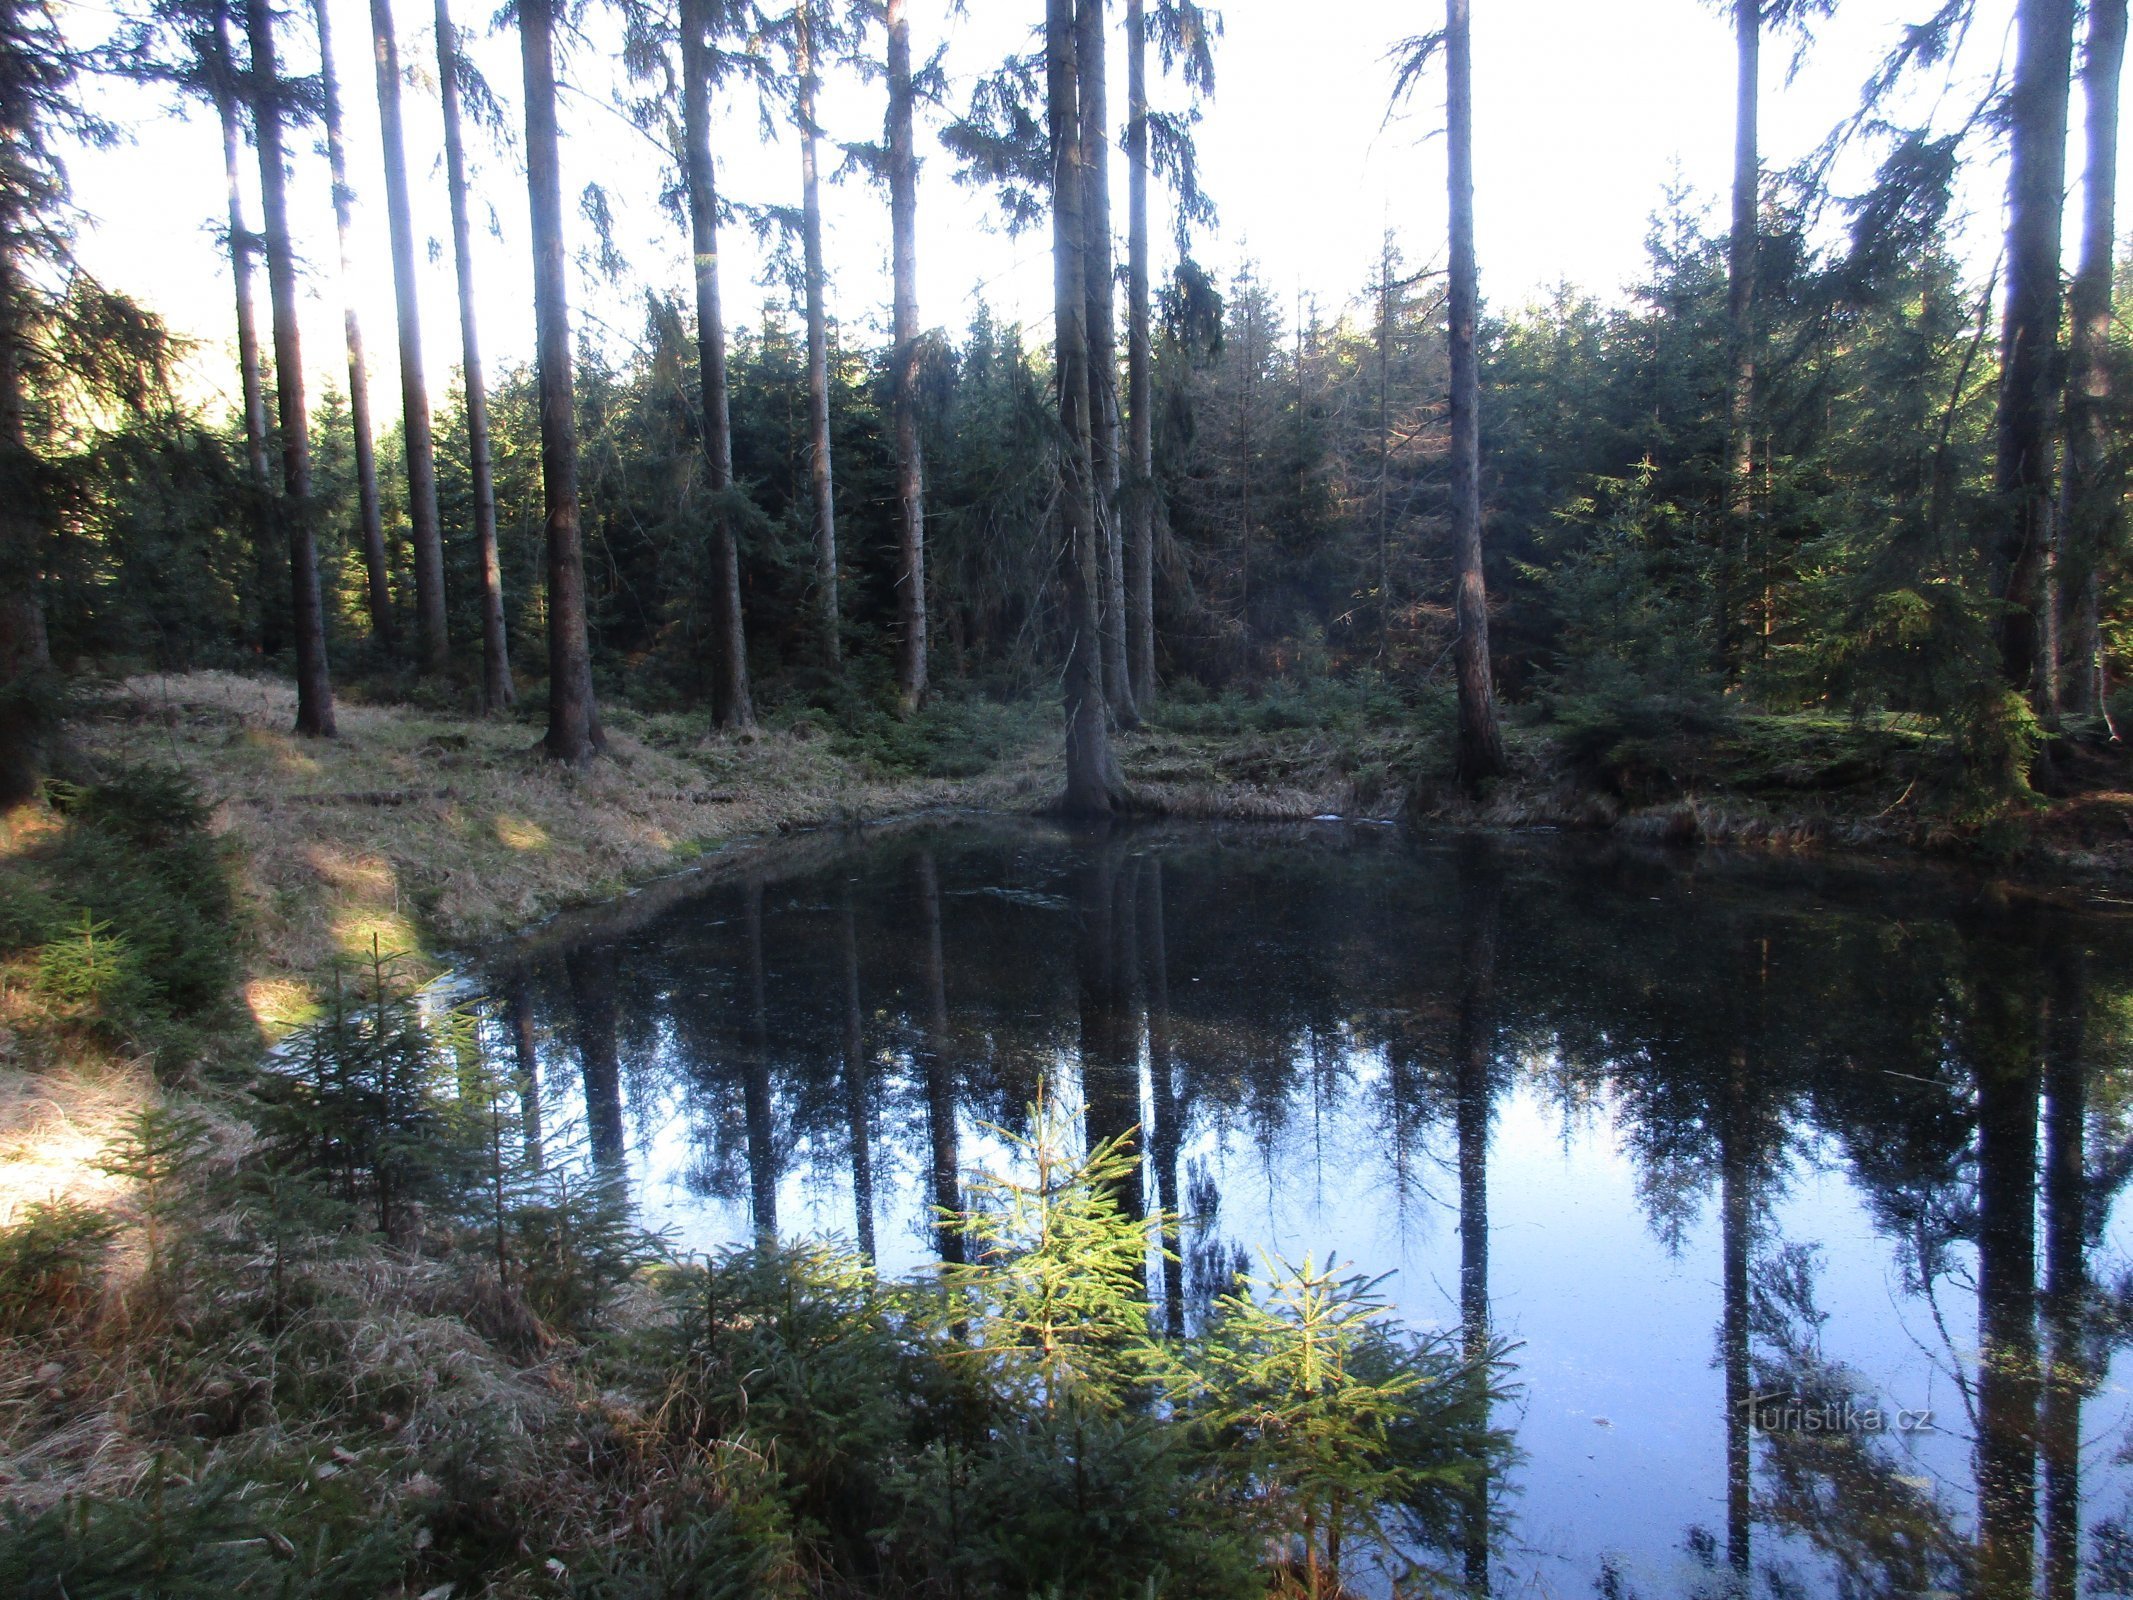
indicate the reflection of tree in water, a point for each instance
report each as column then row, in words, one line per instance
column 1851, row 1495
column 857, row 1021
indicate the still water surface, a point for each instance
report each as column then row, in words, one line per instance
column 1690, row 1131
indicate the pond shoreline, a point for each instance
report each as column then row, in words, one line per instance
column 438, row 834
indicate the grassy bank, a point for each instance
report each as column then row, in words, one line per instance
column 431, row 831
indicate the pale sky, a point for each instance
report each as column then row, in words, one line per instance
column 1584, row 111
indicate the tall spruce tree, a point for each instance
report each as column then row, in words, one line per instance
column 2030, row 372
column 574, row 732
column 426, row 535
column 269, row 93
column 2090, row 512
column 498, row 692
column 732, row 707
column 904, row 364
column 1094, row 785
column 370, row 522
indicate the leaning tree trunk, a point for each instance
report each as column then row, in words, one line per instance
column 1480, row 753
column 1090, row 54
column 2089, row 524
column 1093, row 784
column 497, row 690
column 910, row 469
column 731, row 704
column 818, row 414
column 2029, row 333
column 1139, row 507
column 314, row 688
column 224, row 81
column 378, row 591
column 1740, row 324
column 426, row 537
column 573, row 719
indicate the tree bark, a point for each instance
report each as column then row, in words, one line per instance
column 1094, row 786
column 732, row 707
column 2029, row 332
column 428, row 541
column 818, row 414
column 498, row 692
column 1139, row 508
column 1090, row 59
column 2089, row 523
column 314, row 687
column 244, row 244
column 1740, row 322
column 573, row 719
column 378, row 590
column 910, row 468
column 1480, row 748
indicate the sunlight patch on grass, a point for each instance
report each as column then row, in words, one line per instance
column 52, row 1128
column 355, row 873
column 23, row 826
column 279, row 1005
column 362, row 933
column 521, row 834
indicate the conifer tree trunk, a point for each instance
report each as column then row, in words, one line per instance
column 377, row 590
column 1480, row 741
column 222, row 68
column 1094, row 786
column 314, row 688
column 25, row 652
column 2029, row 394
column 1139, row 509
column 1091, row 55
column 910, row 468
column 1740, row 322
column 423, row 528
column 731, row 705
column 497, row 690
column 818, row 414
column 573, row 720
column 2089, row 521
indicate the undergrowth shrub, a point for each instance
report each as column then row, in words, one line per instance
column 213, row 1536
column 124, row 915
column 51, row 1257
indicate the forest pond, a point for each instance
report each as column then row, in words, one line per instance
column 1749, row 1160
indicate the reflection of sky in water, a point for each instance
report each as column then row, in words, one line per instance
column 1620, row 1414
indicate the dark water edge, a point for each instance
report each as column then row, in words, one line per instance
column 1694, row 1129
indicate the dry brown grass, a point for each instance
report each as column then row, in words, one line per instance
column 428, row 831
